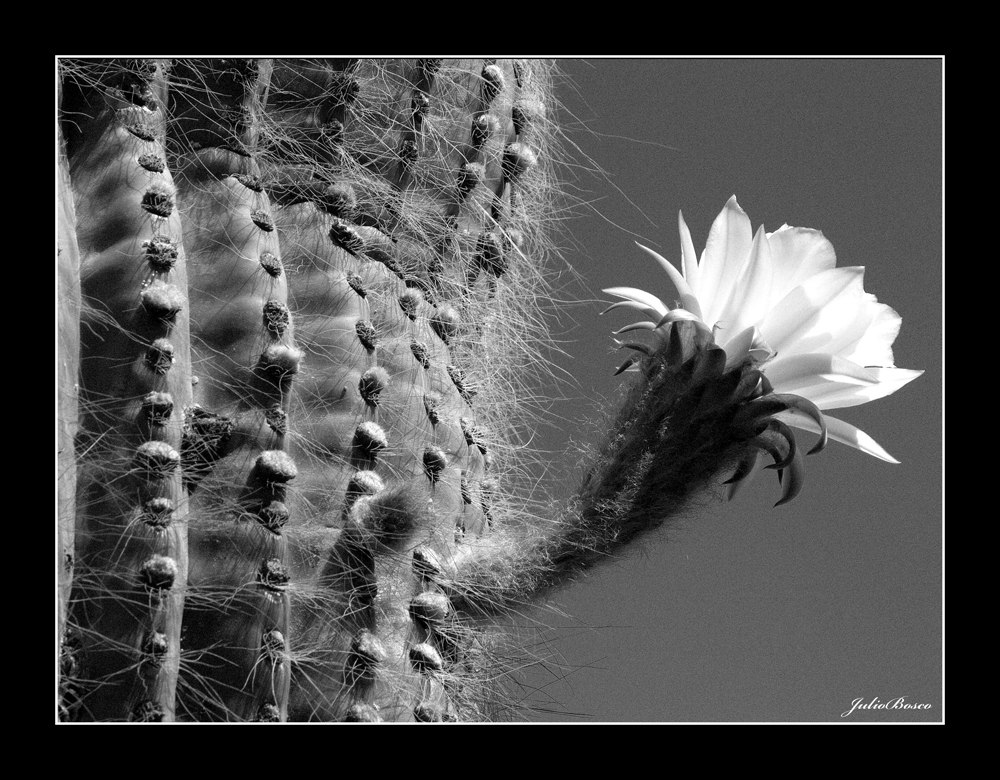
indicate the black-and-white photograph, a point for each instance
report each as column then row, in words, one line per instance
column 571, row 390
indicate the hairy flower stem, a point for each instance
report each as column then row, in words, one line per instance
column 670, row 441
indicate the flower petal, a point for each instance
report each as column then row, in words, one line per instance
column 726, row 250
column 841, row 431
column 687, row 298
column 629, row 305
column 833, row 382
column 644, row 325
column 816, row 312
column 874, row 348
column 796, row 254
column 738, row 347
column 682, row 315
column 838, row 396
column 812, row 375
column 647, row 302
column 689, row 258
column 750, row 297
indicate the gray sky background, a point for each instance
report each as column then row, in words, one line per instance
column 742, row 612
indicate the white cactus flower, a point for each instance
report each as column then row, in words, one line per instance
column 779, row 300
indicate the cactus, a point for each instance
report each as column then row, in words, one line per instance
column 309, row 297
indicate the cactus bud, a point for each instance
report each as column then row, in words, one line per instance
column 461, row 384
column 410, row 300
column 408, row 153
column 469, row 176
column 525, row 112
column 157, row 408
column 360, row 712
column 483, row 126
column 420, row 104
column 445, row 323
column 424, row 658
column 339, row 200
column 435, row 462
column 271, row 264
column 273, row 467
column 493, row 83
column 279, row 362
column 276, row 317
column 432, row 401
column 273, row 645
column 490, row 255
column 426, row 564
column 155, row 644
column 366, row 655
column 370, row 438
column 367, row 334
column 419, row 350
column 381, row 255
column 276, row 419
column 357, row 284
column 151, row 162
column 158, row 573
column 268, row 713
column 363, row 483
column 262, row 220
column 518, row 159
column 158, row 200
column 250, row 181
column 162, row 301
column 425, row 712
column 142, row 130
column 161, row 253
column 273, row 575
column 430, row 608
column 156, row 459
column 160, row 356
column 344, row 235
column 372, row 383
column 274, row 516
column 158, row 512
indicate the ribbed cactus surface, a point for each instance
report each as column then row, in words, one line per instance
column 299, row 375
column 299, row 328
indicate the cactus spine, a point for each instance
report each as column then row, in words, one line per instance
column 309, row 297
column 135, row 380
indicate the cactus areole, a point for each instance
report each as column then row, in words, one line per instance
column 299, row 329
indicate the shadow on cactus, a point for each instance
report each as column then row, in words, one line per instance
column 307, row 306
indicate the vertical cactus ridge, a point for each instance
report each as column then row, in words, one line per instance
column 246, row 361
column 134, row 344
column 289, row 321
column 68, row 322
column 314, row 298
